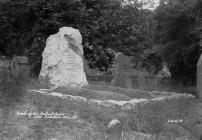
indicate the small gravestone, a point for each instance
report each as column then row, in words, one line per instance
column 164, row 73
column 5, row 67
column 120, row 62
column 124, row 75
column 62, row 63
column 199, row 77
column 20, row 66
column 5, row 63
column 121, row 65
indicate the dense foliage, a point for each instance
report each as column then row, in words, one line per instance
column 169, row 34
column 104, row 25
column 178, row 32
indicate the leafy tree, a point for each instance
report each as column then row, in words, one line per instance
column 104, row 24
column 177, row 21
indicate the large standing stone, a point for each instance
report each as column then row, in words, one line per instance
column 62, row 63
column 199, row 77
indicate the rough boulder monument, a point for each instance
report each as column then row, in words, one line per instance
column 62, row 63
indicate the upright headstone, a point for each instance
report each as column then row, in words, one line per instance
column 62, row 63
column 124, row 75
column 20, row 67
column 199, row 77
column 120, row 66
column 120, row 61
column 5, row 67
column 5, row 63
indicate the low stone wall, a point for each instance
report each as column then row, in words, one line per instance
column 124, row 105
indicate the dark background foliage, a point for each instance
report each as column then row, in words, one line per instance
column 171, row 33
column 178, row 30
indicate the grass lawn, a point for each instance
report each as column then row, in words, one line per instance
column 91, row 121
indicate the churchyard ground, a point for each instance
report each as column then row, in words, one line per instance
column 81, row 121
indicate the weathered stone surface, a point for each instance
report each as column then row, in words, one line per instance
column 80, row 99
column 62, row 63
column 199, row 77
column 56, row 94
column 124, row 105
column 5, row 63
column 94, row 102
column 71, row 97
column 20, row 66
column 39, row 91
column 120, row 103
column 120, row 66
column 164, row 72
column 114, row 128
column 124, row 75
column 113, row 123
